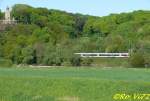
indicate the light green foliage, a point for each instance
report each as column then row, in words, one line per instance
column 22, row 13
column 115, row 43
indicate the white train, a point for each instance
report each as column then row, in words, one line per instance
column 105, row 55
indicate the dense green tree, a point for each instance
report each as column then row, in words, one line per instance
column 28, row 55
column 40, row 21
column 22, row 13
column 39, row 49
column 115, row 44
column 90, row 28
column 80, row 21
column 56, row 32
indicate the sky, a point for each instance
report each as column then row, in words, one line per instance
column 90, row 7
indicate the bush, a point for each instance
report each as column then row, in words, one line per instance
column 58, row 61
column 86, row 62
column 137, row 60
column 75, row 61
column 5, row 63
column 52, row 60
column 147, row 60
column 66, row 63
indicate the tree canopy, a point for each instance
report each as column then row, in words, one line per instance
column 50, row 37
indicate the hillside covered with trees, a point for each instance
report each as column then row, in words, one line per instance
column 51, row 37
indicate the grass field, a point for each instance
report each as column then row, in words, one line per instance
column 72, row 84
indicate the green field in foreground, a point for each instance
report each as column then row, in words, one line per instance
column 71, row 84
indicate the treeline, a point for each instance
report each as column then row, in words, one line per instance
column 51, row 37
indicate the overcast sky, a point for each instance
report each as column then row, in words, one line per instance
column 91, row 7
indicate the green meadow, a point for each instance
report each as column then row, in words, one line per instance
column 72, row 84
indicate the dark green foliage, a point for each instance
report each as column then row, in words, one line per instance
column 53, row 57
column 1, row 15
column 87, row 62
column 76, row 61
column 51, row 37
column 41, row 21
column 28, row 55
column 137, row 60
column 141, row 53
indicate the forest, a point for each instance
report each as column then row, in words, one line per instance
column 51, row 37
